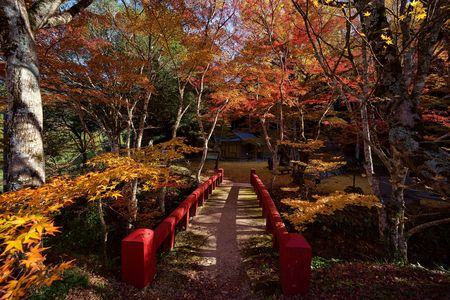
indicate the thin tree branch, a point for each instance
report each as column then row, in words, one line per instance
column 423, row 226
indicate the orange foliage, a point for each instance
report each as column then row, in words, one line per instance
column 306, row 212
column 26, row 215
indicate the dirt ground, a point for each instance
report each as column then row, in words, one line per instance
column 226, row 255
column 207, row 262
column 239, row 171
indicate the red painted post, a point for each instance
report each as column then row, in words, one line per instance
column 210, row 190
column 258, row 195
column 275, row 243
column 194, row 206
column 169, row 242
column 222, row 172
column 166, row 232
column 199, row 196
column 269, row 225
column 277, row 235
column 185, row 220
column 264, row 199
column 205, row 191
column 295, row 264
column 139, row 258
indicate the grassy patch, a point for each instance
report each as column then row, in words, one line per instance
column 320, row 262
column 73, row 278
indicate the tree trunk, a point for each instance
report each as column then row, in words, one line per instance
column 298, row 173
column 142, row 120
column 25, row 158
column 203, row 159
column 180, row 112
column 5, row 152
column 115, row 146
column 133, row 202
column 86, row 129
column 281, row 121
column 274, row 168
column 431, row 165
column 370, row 172
column 132, row 205
column 357, row 152
column 104, row 231
column 302, row 120
column 428, row 162
column 162, row 198
column 177, row 123
column 273, row 151
column 129, row 136
column 114, row 142
column 84, row 157
column 395, row 213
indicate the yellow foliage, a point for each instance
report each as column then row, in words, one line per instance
column 310, row 145
column 290, row 189
column 387, row 39
column 26, row 215
column 22, row 258
column 419, row 11
column 306, row 212
column 320, row 166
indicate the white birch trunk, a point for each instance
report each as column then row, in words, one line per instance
column 142, row 120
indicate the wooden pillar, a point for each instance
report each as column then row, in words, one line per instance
column 295, row 264
column 139, row 258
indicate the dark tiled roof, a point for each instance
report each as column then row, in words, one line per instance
column 245, row 135
column 238, row 136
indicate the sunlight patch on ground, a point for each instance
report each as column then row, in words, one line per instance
column 290, row 189
column 339, row 183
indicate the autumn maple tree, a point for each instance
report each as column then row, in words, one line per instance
column 132, row 90
column 279, row 77
column 388, row 48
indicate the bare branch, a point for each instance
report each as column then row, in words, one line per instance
column 41, row 11
column 420, row 227
column 67, row 15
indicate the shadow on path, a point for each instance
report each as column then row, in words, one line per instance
column 229, row 217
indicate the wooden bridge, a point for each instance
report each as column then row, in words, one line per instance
column 224, row 215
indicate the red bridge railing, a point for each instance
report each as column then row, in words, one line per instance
column 139, row 248
column 295, row 251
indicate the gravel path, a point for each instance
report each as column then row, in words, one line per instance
column 230, row 216
column 206, row 262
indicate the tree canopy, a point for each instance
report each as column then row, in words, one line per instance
column 103, row 100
